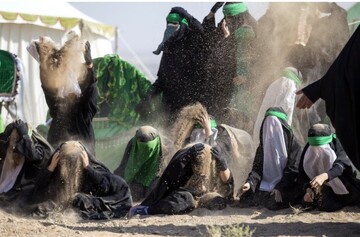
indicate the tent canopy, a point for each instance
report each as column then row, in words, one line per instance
column 61, row 16
column 22, row 22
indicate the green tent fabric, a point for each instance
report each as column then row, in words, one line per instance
column 121, row 86
column 7, row 74
column 353, row 17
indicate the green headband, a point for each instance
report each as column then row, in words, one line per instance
column 212, row 124
column 175, row 18
column 292, row 76
column 320, row 140
column 277, row 114
column 234, row 9
column 152, row 144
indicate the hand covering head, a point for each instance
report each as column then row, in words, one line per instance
column 177, row 23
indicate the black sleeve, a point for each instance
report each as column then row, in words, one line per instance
column 94, row 175
column 51, row 102
column 255, row 175
column 302, row 179
column 89, row 96
column 115, row 189
column 89, row 80
column 291, row 170
column 313, row 91
column 209, row 25
column 43, row 178
column 120, row 171
column 32, row 151
column 340, row 163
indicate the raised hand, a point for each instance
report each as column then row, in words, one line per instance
column 216, row 7
column 87, row 53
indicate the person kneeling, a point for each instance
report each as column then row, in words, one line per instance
column 188, row 182
column 75, row 178
column 326, row 173
column 275, row 169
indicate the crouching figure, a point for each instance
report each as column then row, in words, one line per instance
column 23, row 153
column 195, row 177
column 74, row 178
column 326, row 174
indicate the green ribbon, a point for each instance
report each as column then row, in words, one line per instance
column 292, row 76
column 176, row 18
column 277, row 114
column 234, row 9
column 320, row 140
column 212, row 124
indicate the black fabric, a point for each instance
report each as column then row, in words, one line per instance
column 343, row 169
column 287, row 186
column 103, row 195
column 340, row 88
column 220, row 62
column 177, row 202
column 72, row 120
column 108, row 198
column 179, row 77
column 262, row 198
column 176, row 175
column 21, row 128
column 216, row 7
column 290, row 172
column 221, row 163
column 36, row 151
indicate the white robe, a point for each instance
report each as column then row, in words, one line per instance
column 275, row 153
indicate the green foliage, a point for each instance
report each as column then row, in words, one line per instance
column 235, row 230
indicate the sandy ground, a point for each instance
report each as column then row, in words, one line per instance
column 289, row 222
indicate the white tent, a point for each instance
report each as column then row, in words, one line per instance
column 22, row 22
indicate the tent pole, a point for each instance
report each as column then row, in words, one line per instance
column 81, row 26
column 116, row 40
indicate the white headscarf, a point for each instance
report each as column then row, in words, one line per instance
column 320, row 159
column 10, row 171
column 280, row 93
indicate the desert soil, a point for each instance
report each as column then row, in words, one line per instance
column 289, row 222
